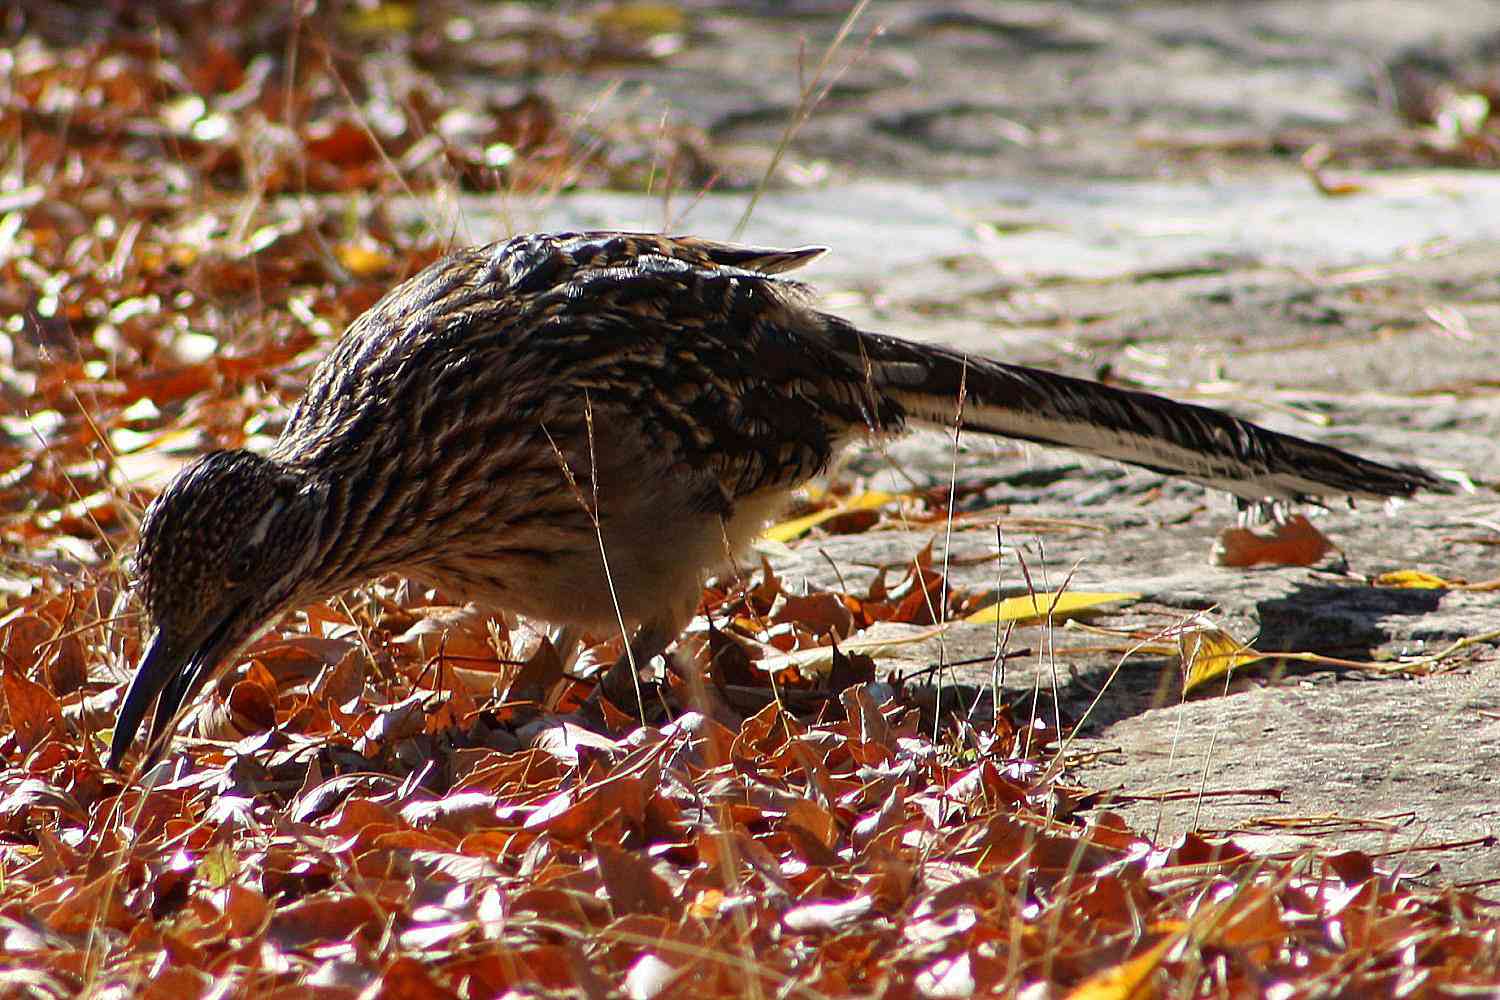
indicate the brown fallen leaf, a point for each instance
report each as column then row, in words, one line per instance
column 1292, row 542
column 34, row 711
column 632, row 885
column 536, row 680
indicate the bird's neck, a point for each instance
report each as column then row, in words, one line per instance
column 344, row 508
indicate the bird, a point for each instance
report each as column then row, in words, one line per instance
column 580, row 427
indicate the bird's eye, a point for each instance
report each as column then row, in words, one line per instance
column 242, row 564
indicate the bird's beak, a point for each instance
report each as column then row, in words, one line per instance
column 169, row 675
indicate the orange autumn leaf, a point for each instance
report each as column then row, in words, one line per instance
column 34, row 711
column 1293, row 542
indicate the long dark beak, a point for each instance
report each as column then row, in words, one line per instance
column 171, row 677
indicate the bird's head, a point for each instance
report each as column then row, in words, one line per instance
column 222, row 550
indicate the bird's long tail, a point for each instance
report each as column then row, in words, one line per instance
column 1194, row 442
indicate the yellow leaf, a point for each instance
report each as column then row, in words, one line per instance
column 152, row 466
column 1208, row 653
column 218, row 866
column 1028, row 606
column 381, row 19
column 643, row 19
column 1129, row 980
column 788, row 530
column 363, row 260
column 1412, row 579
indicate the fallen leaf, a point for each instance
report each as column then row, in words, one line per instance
column 648, row 977
column 1293, row 542
column 1412, row 579
column 832, row 917
column 797, row 526
column 642, row 18
column 1207, row 653
column 876, row 643
column 537, row 677
column 34, row 711
column 632, row 885
column 1057, row 605
column 1132, row 980
column 364, row 259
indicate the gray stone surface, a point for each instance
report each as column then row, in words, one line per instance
column 1114, row 188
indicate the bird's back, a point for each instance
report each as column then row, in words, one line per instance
column 474, row 363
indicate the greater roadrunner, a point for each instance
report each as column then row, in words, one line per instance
column 563, row 425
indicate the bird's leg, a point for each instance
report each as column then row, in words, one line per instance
column 621, row 682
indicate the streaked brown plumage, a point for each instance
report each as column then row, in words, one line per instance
column 686, row 388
